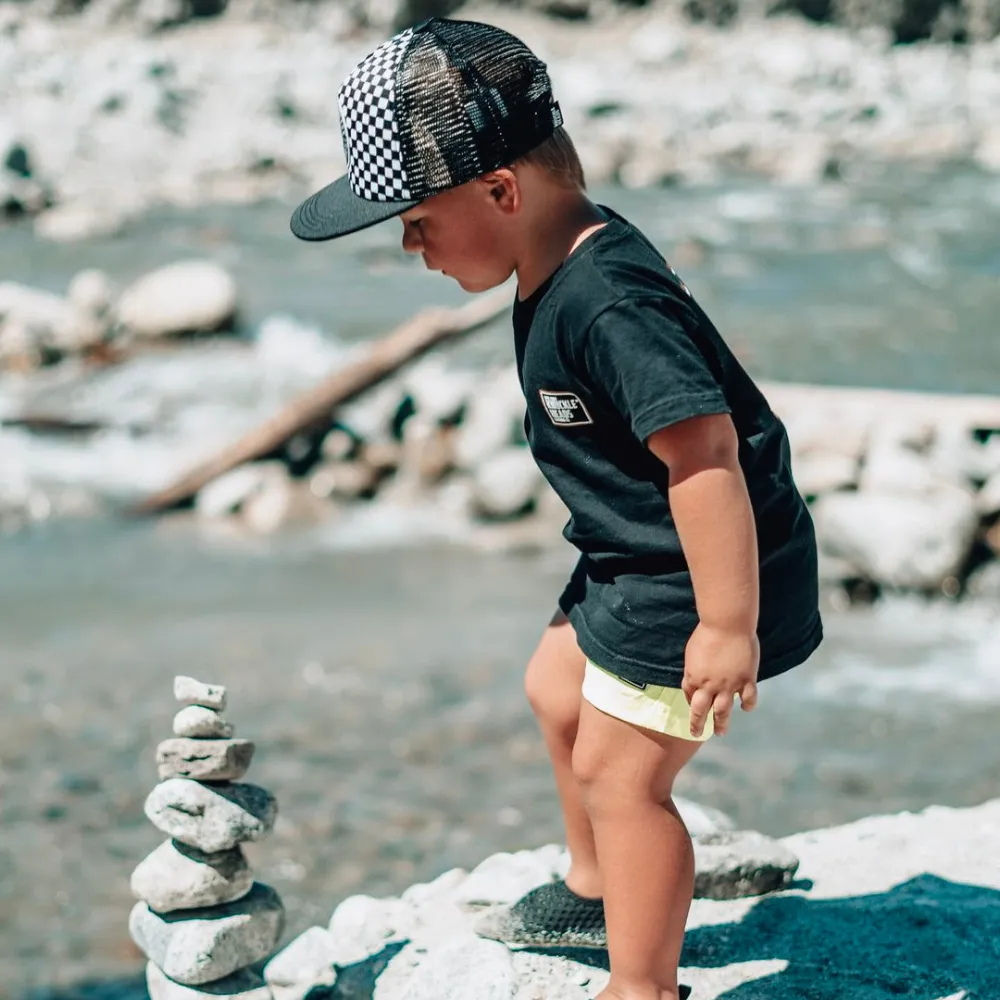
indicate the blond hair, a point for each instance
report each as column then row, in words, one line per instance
column 558, row 157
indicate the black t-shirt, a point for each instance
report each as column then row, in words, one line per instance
column 611, row 348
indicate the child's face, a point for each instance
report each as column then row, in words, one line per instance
column 465, row 233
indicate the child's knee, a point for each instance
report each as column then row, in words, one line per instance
column 552, row 699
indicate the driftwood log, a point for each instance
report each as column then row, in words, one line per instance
column 425, row 330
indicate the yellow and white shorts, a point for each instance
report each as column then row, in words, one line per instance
column 662, row 709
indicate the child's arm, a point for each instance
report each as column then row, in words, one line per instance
column 715, row 523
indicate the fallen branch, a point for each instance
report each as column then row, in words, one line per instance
column 409, row 341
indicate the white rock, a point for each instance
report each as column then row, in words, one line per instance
column 204, row 760
column 441, row 888
column 438, row 393
column 79, row 220
column 837, row 430
column 493, row 419
column 363, row 925
column 470, row 968
column 189, row 691
column 988, row 498
column 90, row 292
column 48, row 319
column 198, row 722
column 734, row 863
column 505, row 878
column 892, row 469
column 243, row 985
column 211, row 818
column 227, row 494
column 818, row 472
column 506, row 484
column 282, row 504
column 177, row 877
column 213, row 942
column 187, row 297
column 305, row 962
column 370, row 416
column 984, row 582
column 900, row 541
column 700, row 819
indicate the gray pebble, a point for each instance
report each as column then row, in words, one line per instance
column 730, row 864
column 200, row 723
column 198, row 946
column 211, row 818
column 205, row 760
column 176, row 877
column 188, row 691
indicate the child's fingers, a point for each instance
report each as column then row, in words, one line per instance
column 748, row 696
column 723, row 709
column 701, row 704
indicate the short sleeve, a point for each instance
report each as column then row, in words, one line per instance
column 650, row 367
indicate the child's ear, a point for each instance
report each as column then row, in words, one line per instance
column 497, row 192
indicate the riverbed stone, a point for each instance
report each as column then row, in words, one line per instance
column 507, row 484
column 246, row 984
column 303, row 963
column 229, row 493
column 363, row 925
column 988, row 498
column 177, row 876
column 204, row 760
column 504, row 878
column 198, row 722
column 198, row 946
column 897, row 540
column 211, row 818
column 469, row 967
column 195, row 296
column 734, row 863
column 189, row 691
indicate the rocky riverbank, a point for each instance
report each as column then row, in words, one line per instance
column 905, row 488
column 885, row 906
column 111, row 110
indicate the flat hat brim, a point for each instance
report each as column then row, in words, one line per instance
column 337, row 211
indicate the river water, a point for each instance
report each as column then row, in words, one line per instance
column 381, row 677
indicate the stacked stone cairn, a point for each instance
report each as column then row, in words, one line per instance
column 201, row 920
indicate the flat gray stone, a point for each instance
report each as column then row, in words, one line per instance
column 204, row 760
column 734, row 863
column 242, row 985
column 177, row 876
column 198, row 722
column 305, row 962
column 211, row 818
column 199, row 946
column 470, row 968
column 188, row 691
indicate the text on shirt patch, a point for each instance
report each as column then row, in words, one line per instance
column 565, row 409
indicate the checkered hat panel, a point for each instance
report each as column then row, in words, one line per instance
column 367, row 101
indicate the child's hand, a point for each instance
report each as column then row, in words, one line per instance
column 718, row 665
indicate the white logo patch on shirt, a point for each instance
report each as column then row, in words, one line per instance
column 565, row 409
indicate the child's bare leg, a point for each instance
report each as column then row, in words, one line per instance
column 647, row 863
column 553, row 682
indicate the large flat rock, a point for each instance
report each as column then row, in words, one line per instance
column 198, row 946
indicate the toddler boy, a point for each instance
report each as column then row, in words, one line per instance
column 697, row 574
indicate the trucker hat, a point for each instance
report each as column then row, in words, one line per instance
column 435, row 106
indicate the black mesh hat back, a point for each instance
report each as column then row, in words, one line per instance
column 433, row 107
column 475, row 98
column 440, row 104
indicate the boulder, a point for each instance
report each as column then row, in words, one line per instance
column 303, row 963
column 734, row 863
column 204, row 759
column 243, row 985
column 188, row 297
column 507, row 484
column 199, row 946
column 471, row 968
column 178, row 877
column 493, row 419
column 504, row 878
column 363, row 925
column 198, row 722
column 189, row 691
column 228, row 493
column 909, row 542
column 211, row 818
